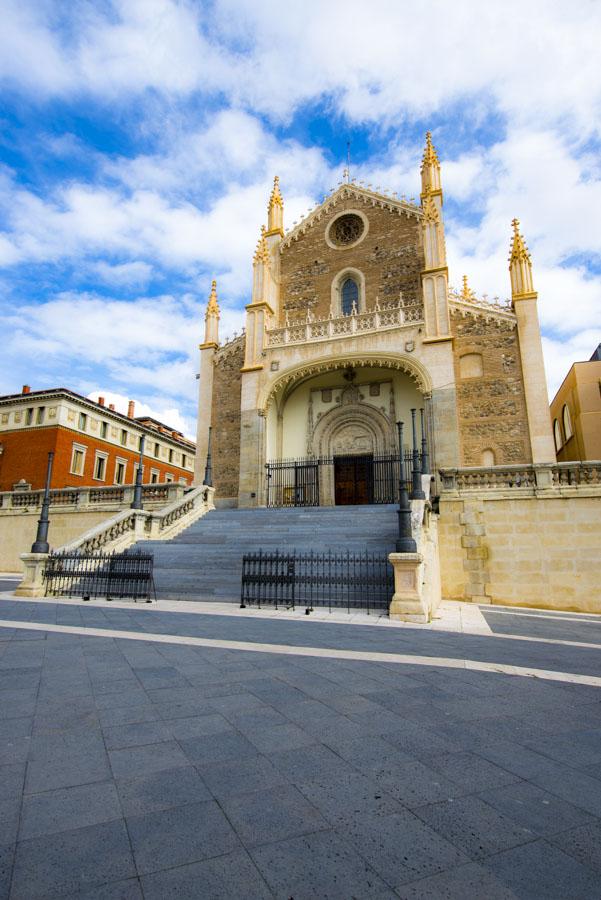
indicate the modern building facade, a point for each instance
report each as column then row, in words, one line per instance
column 352, row 325
column 576, row 412
column 93, row 444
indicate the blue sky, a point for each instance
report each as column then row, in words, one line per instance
column 139, row 140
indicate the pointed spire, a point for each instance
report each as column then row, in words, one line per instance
column 520, row 264
column 212, row 319
column 213, row 304
column 275, row 210
column 430, row 157
column 519, row 250
column 466, row 291
column 430, row 169
column 262, row 251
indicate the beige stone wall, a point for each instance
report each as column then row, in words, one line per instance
column 528, row 551
column 490, row 393
column 390, row 257
column 226, row 419
column 18, row 531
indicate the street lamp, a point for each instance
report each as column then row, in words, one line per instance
column 416, row 479
column 405, row 542
column 137, row 501
column 425, row 457
column 208, row 479
column 40, row 544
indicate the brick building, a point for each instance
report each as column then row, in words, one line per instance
column 352, row 324
column 93, row 444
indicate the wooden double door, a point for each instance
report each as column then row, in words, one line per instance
column 353, row 480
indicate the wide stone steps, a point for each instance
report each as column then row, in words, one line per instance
column 204, row 562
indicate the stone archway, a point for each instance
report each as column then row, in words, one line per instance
column 352, row 430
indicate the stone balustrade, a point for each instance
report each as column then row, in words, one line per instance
column 378, row 319
column 129, row 526
column 520, row 479
column 153, row 495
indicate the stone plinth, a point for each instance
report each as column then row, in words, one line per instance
column 408, row 602
column 33, row 581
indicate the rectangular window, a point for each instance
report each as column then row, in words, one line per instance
column 168, row 478
column 100, row 466
column 140, row 439
column 170, row 455
column 124, row 437
column 78, row 459
column 83, row 421
column 154, row 476
column 183, row 480
column 184, row 460
column 41, row 414
column 157, row 450
column 29, row 416
column 120, row 470
column 104, row 429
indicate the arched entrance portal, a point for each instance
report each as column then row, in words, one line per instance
column 332, row 438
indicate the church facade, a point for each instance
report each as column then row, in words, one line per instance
column 353, row 327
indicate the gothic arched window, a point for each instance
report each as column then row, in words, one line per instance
column 349, row 294
column 557, row 435
column 567, row 422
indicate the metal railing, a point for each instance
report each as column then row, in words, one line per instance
column 372, row 478
column 338, row 581
column 114, row 576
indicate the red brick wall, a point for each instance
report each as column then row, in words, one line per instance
column 26, row 456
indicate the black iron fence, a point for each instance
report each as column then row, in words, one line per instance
column 349, row 479
column 115, row 576
column 339, row 581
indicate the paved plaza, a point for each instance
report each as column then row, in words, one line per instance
column 162, row 752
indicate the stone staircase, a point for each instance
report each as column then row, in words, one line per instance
column 204, row 562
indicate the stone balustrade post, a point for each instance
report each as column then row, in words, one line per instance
column 32, row 584
column 82, row 499
column 543, row 475
column 408, row 602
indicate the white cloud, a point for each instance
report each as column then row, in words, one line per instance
column 129, row 275
column 170, row 416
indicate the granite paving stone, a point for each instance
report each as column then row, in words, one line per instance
column 275, row 814
column 54, row 865
column 318, row 865
column 467, row 882
column 135, row 734
column 68, row 808
column 283, row 737
column 223, row 746
column 474, row 827
column 538, row 810
column 197, row 726
column 195, row 831
column 582, row 843
column 343, row 797
column 242, row 776
column 162, row 790
column 538, row 869
column 221, row 878
column 130, row 761
column 7, row 853
column 116, row 890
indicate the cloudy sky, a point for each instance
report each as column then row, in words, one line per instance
column 139, row 140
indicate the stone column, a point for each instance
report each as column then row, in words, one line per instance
column 408, row 602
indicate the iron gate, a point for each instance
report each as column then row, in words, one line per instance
column 345, row 581
column 296, row 482
column 112, row 575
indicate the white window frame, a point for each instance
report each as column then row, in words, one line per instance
column 169, row 479
column 155, row 476
column 120, row 461
column 99, row 454
column 336, row 291
column 78, row 448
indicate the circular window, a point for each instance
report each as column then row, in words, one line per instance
column 346, row 230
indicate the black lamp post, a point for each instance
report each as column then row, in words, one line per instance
column 40, row 545
column 405, row 542
column 416, row 474
column 208, row 479
column 137, row 501
column 425, row 457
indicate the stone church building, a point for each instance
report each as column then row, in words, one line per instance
column 351, row 326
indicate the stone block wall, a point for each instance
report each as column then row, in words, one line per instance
column 227, row 381
column 539, row 551
column 390, row 257
column 491, row 404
